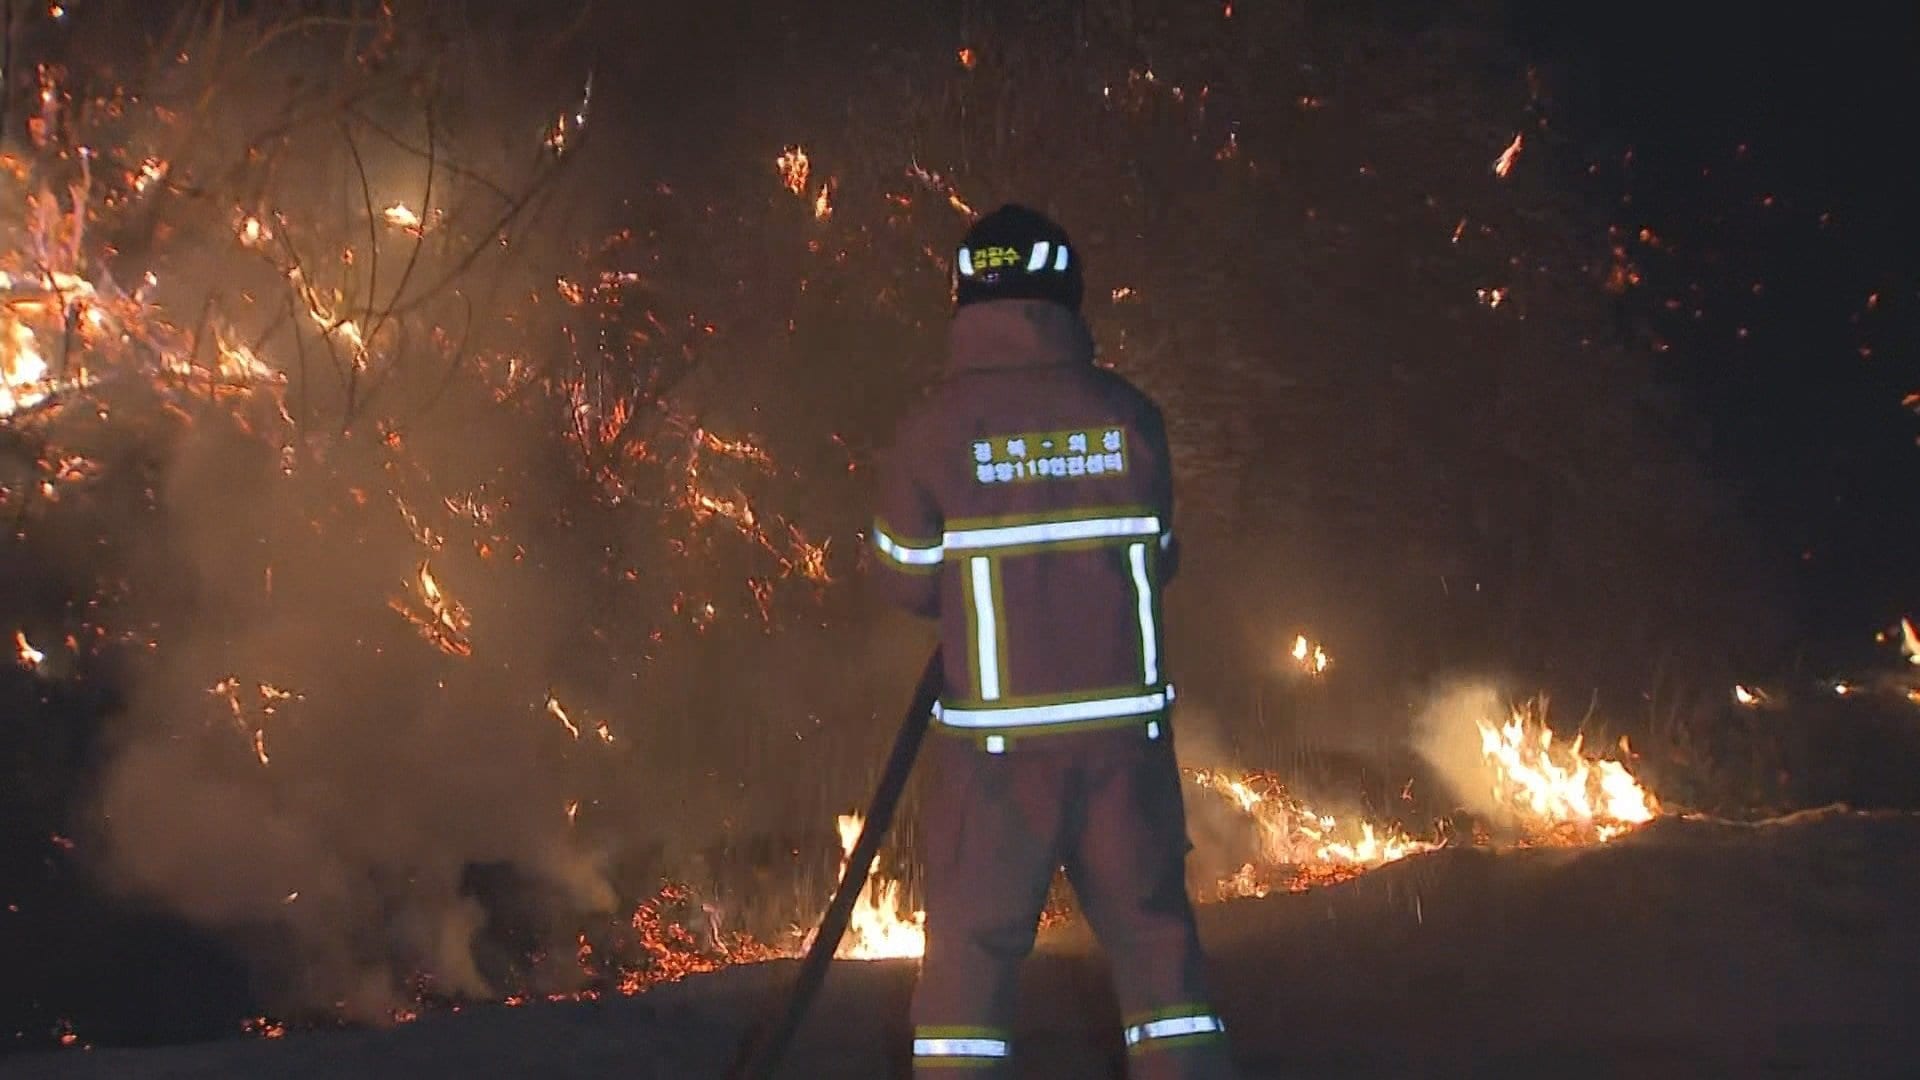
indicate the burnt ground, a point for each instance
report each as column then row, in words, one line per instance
column 1693, row 948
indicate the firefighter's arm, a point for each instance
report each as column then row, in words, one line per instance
column 908, row 529
column 1154, row 431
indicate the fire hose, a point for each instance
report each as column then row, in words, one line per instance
column 760, row 1057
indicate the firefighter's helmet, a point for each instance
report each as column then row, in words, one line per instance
column 1017, row 253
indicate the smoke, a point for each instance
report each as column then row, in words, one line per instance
column 436, row 636
column 1223, row 837
column 294, row 758
column 1446, row 735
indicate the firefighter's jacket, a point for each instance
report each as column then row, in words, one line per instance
column 1027, row 504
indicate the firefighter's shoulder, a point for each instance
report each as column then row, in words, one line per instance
column 1124, row 400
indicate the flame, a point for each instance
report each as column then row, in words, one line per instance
column 23, row 371
column 1752, row 698
column 346, row 328
column 443, row 622
column 251, row 232
column 1309, row 847
column 1909, row 641
column 238, row 363
column 1555, row 790
column 967, row 57
column 150, row 172
column 30, row 657
column 938, row 183
column 401, row 216
column 1312, row 657
column 794, row 169
column 877, row 931
column 822, row 203
column 558, row 712
column 1504, row 164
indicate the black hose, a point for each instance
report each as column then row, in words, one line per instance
column 761, row 1057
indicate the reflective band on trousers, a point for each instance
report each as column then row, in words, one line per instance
column 1052, row 532
column 1143, row 595
column 906, row 553
column 995, row 1048
column 1173, row 1027
column 1065, row 713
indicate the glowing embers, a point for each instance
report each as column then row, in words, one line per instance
column 438, row 617
column 558, row 712
column 29, row 657
column 1503, row 165
column 1300, row 846
column 796, row 172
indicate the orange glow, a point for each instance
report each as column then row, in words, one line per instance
column 878, row 929
column 794, row 169
column 30, row 657
column 1504, row 164
column 1311, row 657
column 1555, row 790
column 1299, row 845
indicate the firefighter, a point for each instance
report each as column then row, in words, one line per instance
column 1027, row 505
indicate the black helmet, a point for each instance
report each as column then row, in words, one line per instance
column 1017, row 253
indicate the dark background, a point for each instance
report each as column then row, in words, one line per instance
column 1724, row 106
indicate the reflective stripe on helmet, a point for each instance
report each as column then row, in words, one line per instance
column 1060, row 258
column 1037, row 261
column 966, row 262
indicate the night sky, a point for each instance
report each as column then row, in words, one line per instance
column 1724, row 106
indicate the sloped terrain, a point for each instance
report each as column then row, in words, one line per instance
column 1692, row 948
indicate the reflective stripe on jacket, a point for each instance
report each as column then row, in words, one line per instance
column 1027, row 504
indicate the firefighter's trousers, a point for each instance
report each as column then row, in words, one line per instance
column 1105, row 806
